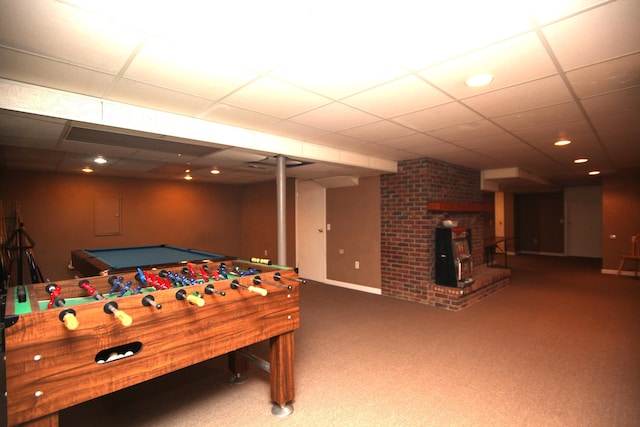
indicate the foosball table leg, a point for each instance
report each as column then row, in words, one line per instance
column 282, row 387
column 238, row 366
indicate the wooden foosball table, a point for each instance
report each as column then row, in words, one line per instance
column 70, row 341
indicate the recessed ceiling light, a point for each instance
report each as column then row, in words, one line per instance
column 478, row 80
column 187, row 175
column 100, row 160
column 87, row 169
column 580, row 160
column 594, row 172
column 215, row 170
column 562, row 142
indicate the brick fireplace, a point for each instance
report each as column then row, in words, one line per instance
column 408, row 232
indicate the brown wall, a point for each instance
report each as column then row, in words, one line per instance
column 620, row 216
column 259, row 221
column 354, row 215
column 58, row 213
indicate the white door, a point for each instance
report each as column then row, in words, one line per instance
column 310, row 233
column 583, row 225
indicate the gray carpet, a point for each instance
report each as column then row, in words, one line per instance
column 559, row 347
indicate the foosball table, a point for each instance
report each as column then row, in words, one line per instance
column 70, row 341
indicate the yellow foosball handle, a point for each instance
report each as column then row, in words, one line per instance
column 260, row 291
column 195, row 300
column 123, row 317
column 70, row 321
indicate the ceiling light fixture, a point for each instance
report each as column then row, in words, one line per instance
column 100, row 160
column 479, row 80
column 188, row 177
column 580, row 160
column 593, row 173
column 215, row 170
column 87, row 169
column 562, row 142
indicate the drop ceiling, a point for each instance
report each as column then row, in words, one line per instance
column 342, row 89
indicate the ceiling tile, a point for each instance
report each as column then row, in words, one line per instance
column 442, row 116
column 410, row 141
column 455, row 28
column 31, row 127
column 378, row 131
column 232, row 115
column 495, row 143
column 334, row 117
column 275, row 98
column 620, row 134
column 615, row 32
column 92, row 150
column 514, row 61
column 144, row 95
column 164, row 64
column 398, row 97
column 466, row 130
column 614, row 102
column 59, row 31
column 338, row 79
column 564, row 112
column 547, row 134
column 608, row 76
column 546, row 12
column 41, row 71
column 337, row 140
column 295, row 130
column 523, row 97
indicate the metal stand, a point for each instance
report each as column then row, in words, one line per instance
column 20, row 241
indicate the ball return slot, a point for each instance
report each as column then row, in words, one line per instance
column 118, row 353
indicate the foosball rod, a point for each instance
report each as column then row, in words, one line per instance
column 110, row 307
column 210, row 289
column 235, row 285
column 278, row 276
column 66, row 316
column 150, row 301
column 257, row 280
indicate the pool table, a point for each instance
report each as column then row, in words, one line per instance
column 95, row 262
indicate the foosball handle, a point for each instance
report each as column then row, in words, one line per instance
column 195, row 300
column 260, row 291
column 123, row 317
column 112, row 308
column 68, row 317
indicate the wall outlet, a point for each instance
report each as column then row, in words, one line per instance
column 265, row 253
column 357, row 265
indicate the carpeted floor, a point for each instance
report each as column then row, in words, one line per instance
column 559, row 347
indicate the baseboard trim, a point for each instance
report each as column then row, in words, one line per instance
column 353, row 286
column 622, row 273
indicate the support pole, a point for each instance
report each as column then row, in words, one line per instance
column 281, row 189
